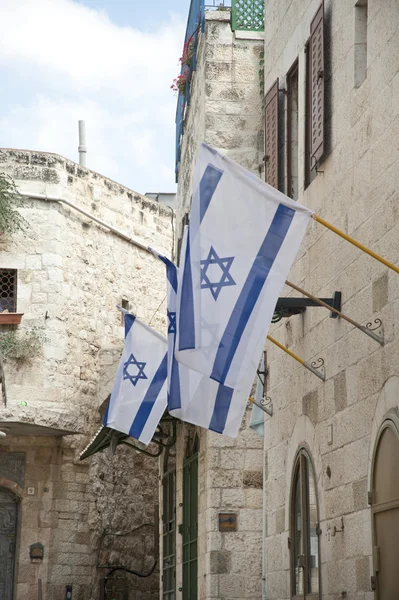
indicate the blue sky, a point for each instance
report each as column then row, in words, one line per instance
column 109, row 62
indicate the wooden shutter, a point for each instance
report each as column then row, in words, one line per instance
column 316, row 48
column 271, row 135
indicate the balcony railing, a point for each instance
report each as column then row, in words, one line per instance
column 247, row 15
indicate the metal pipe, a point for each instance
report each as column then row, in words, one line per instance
column 82, row 149
column 118, row 232
column 368, row 332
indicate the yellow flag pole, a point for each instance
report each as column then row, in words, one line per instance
column 307, row 366
column 355, row 243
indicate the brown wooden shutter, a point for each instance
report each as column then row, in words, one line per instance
column 271, row 135
column 316, row 47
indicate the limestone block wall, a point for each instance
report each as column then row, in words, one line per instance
column 225, row 103
column 230, row 480
column 357, row 191
column 71, row 275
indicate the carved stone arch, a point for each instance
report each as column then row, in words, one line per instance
column 388, row 400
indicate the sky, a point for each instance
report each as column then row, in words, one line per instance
column 108, row 62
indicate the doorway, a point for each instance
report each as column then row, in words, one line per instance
column 385, row 510
column 8, row 534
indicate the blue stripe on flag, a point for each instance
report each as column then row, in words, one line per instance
column 207, row 187
column 105, row 421
column 221, row 408
column 187, row 324
column 149, row 400
column 129, row 320
column 250, row 291
column 171, row 272
column 174, row 397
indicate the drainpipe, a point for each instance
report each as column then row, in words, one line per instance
column 82, row 144
column 118, row 232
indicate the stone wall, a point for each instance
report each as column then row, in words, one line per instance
column 225, row 103
column 71, row 275
column 357, row 191
column 230, row 479
column 226, row 112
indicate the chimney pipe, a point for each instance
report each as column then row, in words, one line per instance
column 82, row 144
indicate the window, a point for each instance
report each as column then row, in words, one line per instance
column 169, row 526
column 314, row 115
column 304, row 531
column 360, row 54
column 292, row 132
column 271, row 135
column 8, row 290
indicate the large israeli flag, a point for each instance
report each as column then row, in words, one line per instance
column 243, row 238
column 192, row 396
column 139, row 396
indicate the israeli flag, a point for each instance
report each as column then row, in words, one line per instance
column 192, row 396
column 243, row 238
column 139, row 396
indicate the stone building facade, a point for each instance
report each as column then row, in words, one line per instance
column 211, row 485
column 69, row 274
column 328, row 526
column 337, row 440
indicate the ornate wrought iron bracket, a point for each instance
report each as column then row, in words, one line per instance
column 375, row 330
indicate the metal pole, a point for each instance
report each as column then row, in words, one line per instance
column 355, row 243
column 368, row 332
column 82, row 143
column 297, row 358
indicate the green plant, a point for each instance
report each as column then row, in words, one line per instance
column 10, row 219
column 21, row 346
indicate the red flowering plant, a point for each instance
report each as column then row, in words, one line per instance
column 179, row 84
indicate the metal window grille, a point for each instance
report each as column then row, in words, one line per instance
column 217, row 4
column 8, row 290
column 248, row 15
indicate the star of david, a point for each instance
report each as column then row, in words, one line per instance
column 225, row 280
column 172, row 322
column 211, row 338
column 140, row 370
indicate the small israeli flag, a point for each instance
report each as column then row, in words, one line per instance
column 243, row 238
column 193, row 397
column 139, row 395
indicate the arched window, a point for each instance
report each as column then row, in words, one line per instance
column 305, row 572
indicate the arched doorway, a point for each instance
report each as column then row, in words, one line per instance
column 8, row 532
column 385, row 509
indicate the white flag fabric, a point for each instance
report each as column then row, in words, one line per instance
column 192, row 396
column 243, row 238
column 139, row 395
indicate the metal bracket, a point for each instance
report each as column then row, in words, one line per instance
column 376, row 329
column 287, row 307
column 317, row 367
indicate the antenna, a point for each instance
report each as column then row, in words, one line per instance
column 82, row 144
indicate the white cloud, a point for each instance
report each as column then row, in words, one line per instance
column 77, row 64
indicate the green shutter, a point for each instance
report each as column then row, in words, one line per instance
column 190, row 527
